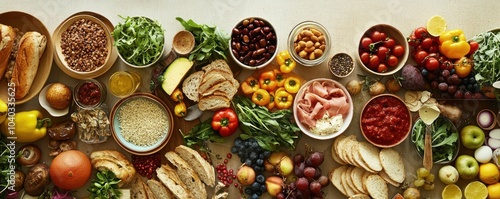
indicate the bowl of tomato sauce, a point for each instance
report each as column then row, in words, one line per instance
column 89, row 93
column 385, row 121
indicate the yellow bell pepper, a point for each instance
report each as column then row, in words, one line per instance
column 3, row 110
column 261, row 97
column 180, row 109
column 292, row 85
column 29, row 126
column 285, row 61
column 280, row 78
column 283, row 99
column 268, row 81
column 250, row 85
column 177, row 95
column 271, row 103
column 453, row 44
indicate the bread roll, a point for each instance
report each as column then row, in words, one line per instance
column 7, row 36
column 31, row 48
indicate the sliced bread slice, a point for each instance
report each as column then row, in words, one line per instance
column 392, row 164
column 187, row 175
column 335, row 178
column 171, row 180
column 138, row 190
column 209, row 80
column 359, row 196
column 159, row 190
column 213, row 102
column 203, row 168
column 191, row 84
column 376, row 187
column 370, row 155
column 219, row 64
column 388, row 179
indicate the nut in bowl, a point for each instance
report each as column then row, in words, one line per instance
column 83, row 47
column 309, row 43
column 382, row 50
column 141, row 132
column 385, row 121
column 253, row 43
column 333, row 102
column 140, row 41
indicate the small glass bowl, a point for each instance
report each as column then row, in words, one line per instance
column 341, row 65
column 293, row 37
column 86, row 88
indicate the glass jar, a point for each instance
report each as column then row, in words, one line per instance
column 299, row 38
column 89, row 94
column 124, row 83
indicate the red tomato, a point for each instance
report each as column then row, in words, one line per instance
column 383, row 36
column 446, row 65
column 382, row 53
column 389, row 43
column 413, row 41
column 421, row 33
column 426, row 43
column 392, row 61
column 398, row 50
column 420, row 56
column 473, row 47
column 374, row 61
column 431, row 64
column 434, row 48
column 365, row 43
column 376, row 36
column 381, row 68
column 365, row 58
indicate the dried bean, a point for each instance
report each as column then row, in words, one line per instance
column 310, row 43
column 253, row 42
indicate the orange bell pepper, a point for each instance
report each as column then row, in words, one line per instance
column 268, row 81
column 250, row 85
column 463, row 67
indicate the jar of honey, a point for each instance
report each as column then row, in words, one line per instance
column 124, row 83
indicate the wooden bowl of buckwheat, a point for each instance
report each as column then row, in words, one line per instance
column 84, row 47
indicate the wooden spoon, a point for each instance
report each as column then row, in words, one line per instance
column 428, row 113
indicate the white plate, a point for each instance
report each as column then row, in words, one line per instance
column 52, row 111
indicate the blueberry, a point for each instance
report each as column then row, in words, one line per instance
column 259, row 162
column 261, row 156
column 266, row 154
column 251, row 140
column 472, row 80
column 255, row 196
column 234, row 149
column 262, row 188
column 242, row 160
column 425, row 72
column 260, row 178
column 259, row 193
column 237, row 141
column 452, row 71
column 258, row 169
column 255, row 186
column 248, row 162
column 253, row 155
column 248, row 191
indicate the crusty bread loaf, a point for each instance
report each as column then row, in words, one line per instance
column 159, row 190
column 187, row 175
column 31, row 48
column 219, row 64
column 115, row 162
column 139, row 189
column 191, row 84
column 213, row 102
column 392, row 164
column 376, row 187
column 7, row 36
column 220, row 191
column 204, row 169
column 171, row 180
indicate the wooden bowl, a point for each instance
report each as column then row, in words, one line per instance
column 130, row 147
column 388, row 104
column 26, row 22
column 399, row 39
column 59, row 56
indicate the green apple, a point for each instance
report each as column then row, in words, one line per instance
column 467, row 167
column 448, row 174
column 472, row 137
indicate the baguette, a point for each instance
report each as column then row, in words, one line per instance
column 159, row 190
column 115, row 162
column 7, row 37
column 204, row 169
column 187, row 175
column 31, row 48
column 171, row 180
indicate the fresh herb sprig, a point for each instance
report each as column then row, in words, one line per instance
column 444, row 139
column 211, row 42
column 104, row 185
column 200, row 133
column 272, row 130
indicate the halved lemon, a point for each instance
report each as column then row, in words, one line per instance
column 476, row 190
column 436, row 25
column 451, row 191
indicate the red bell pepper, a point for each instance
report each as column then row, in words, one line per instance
column 225, row 121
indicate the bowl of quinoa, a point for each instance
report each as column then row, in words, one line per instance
column 141, row 123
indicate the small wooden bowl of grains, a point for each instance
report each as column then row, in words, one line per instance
column 341, row 65
column 141, row 123
column 83, row 47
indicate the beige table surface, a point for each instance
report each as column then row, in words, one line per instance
column 345, row 20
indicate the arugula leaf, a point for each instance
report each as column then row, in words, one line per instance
column 212, row 43
column 444, row 139
column 487, row 57
column 201, row 133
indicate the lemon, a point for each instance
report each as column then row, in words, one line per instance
column 3, row 110
column 451, row 191
column 489, row 173
column 476, row 190
column 436, row 25
column 494, row 191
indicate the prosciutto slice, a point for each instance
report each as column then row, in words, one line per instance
column 320, row 98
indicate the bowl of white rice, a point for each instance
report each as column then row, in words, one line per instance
column 141, row 123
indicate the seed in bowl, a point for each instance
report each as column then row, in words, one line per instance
column 310, row 43
column 253, row 42
column 83, row 45
column 142, row 122
column 341, row 64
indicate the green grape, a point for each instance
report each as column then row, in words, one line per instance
column 422, row 172
column 419, row 182
column 428, row 187
column 430, row 178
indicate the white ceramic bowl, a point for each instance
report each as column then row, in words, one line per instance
column 52, row 111
column 304, row 128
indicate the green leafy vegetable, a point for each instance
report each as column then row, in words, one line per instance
column 211, row 42
column 487, row 57
column 271, row 129
column 104, row 185
column 139, row 40
column 444, row 139
column 201, row 133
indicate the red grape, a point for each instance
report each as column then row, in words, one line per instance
column 315, row 187
column 309, row 172
column 302, row 184
column 316, row 158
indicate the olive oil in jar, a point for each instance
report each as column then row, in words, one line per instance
column 124, row 83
